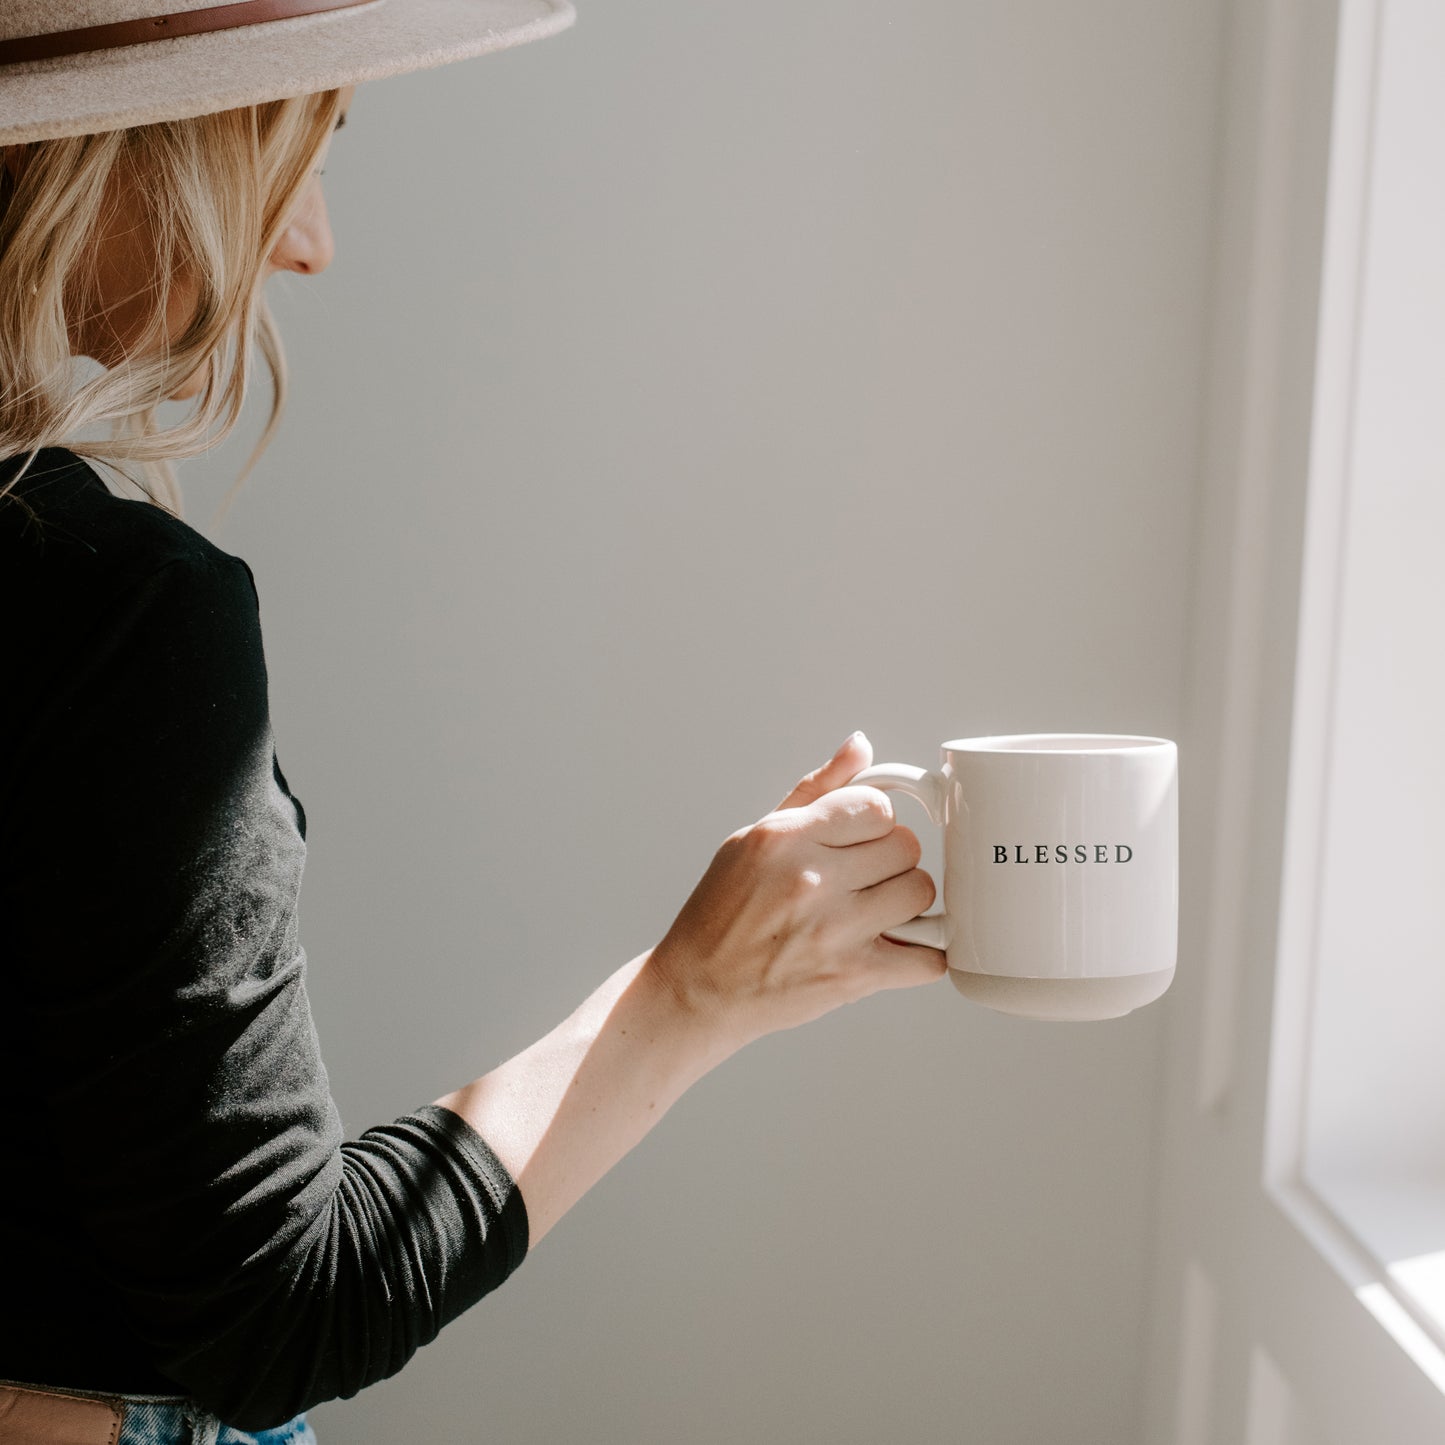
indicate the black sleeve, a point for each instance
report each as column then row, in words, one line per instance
column 267, row 1264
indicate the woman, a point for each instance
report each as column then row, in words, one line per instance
column 190, row 1249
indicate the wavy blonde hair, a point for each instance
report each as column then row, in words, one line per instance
column 217, row 193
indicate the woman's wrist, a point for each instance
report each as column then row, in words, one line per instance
column 563, row 1111
column 638, row 1031
column 704, row 1028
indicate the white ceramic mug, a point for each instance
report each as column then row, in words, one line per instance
column 1060, row 870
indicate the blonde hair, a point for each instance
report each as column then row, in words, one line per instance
column 217, row 192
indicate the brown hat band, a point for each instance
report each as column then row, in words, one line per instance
column 162, row 27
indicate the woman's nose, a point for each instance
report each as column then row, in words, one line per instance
column 306, row 246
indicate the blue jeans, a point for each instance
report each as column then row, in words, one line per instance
column 156, row 1420
column 176, row 1420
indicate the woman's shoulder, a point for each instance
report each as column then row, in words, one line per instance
column 60, row 521
column 61, row 510
column 77, row 561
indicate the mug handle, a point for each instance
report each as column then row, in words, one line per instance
column 929, row 929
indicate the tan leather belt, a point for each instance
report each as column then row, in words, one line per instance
column 51, row 1417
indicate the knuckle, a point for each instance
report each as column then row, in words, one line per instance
column 912, row 848
column 768, row 841
column 750, row 849
column 759, row 837
column 878, row 804
column 863, row 802
column 742, row 847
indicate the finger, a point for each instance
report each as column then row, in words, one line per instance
column 905, row 965
column 885, row 905
column 849, row 815
column 855, row 754
column 861, row 865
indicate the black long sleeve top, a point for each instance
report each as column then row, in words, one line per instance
column 179, row 1210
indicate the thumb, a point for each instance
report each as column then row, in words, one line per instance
column 855, row 754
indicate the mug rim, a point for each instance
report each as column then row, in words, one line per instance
column 1058, row 744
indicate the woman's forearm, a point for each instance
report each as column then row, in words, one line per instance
column 561, row 1113
column 787, row 923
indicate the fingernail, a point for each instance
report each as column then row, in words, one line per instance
column 851, row 738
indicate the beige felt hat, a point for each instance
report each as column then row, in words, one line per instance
column 73, row 67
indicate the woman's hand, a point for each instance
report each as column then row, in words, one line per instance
column 785, row 924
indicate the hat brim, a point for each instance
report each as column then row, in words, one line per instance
column 196, row 74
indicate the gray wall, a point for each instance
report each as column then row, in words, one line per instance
column 688, row 391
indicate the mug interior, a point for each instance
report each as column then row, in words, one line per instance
column 1078, row 743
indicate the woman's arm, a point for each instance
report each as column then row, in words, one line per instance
column 224, row 1238
column 782, row 928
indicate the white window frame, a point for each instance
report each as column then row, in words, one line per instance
column 1268, row 1325
column 1285, row 1176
